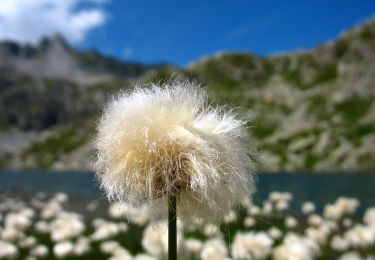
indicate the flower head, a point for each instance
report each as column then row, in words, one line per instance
column 165, row 141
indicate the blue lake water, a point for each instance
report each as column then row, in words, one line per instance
column 319, row 188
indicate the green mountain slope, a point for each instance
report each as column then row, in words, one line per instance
column 309, row 110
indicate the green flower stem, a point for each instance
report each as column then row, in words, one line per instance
column 172, row 228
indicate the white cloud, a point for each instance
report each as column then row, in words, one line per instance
column 29, row 20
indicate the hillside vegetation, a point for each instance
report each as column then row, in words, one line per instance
column 309, row 110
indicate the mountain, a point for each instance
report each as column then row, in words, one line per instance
column 309, row 109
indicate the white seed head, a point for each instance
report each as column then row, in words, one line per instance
column 166, row 141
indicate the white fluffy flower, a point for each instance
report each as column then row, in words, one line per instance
column 230, row 217
column 11, row 234
column 339, row 244
column 340, row 208
column 121, row 254
column 214, row 248
column 138, row 215
column 360, row 236
column 319, row 235
column 39, row 251
column 7, row 250
column 144, row 257
column 282, row 205
column 251, row 245
column 51, row 210
column 290, row 222
column 314, row 220
column 165, row 141
column 254, row 210
column 249, row 222
column 117, row 210
column 211, row 230
column 63, row 249
column 295, row 247
column 66, row 226
column 351, row 256
column 369, row 217
column 275, row 233
column 277, row 196
column 109, row 246
column 18, row 221
column 193, row 245
column 106, row 229
column 60, row 197
column 42, row 227
column 155, row 240
column 82, row 246
column 27, row 242
column 267, row 208
column 308, row 207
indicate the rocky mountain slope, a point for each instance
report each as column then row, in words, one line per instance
column 309, row 110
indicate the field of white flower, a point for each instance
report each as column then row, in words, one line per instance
column 48, row 227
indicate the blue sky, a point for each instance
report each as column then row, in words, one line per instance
column 179, row 32
column 183, row 31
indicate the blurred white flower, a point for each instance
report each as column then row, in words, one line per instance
column 290, row 222
column 51, row 210
column 11, row 234
column 295, row 247
column 37, row 203
column 155, row 240
column 165, row 141
column 66, row 226
column 120, row 210
column 8, row 250
column 308, row 207
column 117, row 210
column 360, row 236
column 120, row 254
column 39, row 251
column 193, row 246
column 351, row 256
column 277, row 196
column 211, row 230
column 42, row 227
column 254, row 210
column 339, row 244
column 251, row 245
column 106, row 229
column 18, row 221
column 144, row 257
column 275, row 233
column 63, row 249
column 369, row 217
column 214, row 248
column 230, row 217
column 109, row 246
column 314, row 220
column 267, row 208
column 318, row 234
column 249, row 222
column 60, row 197
column 27, row 242
column 340, row 208
column 82, row 246
column 282, row 205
